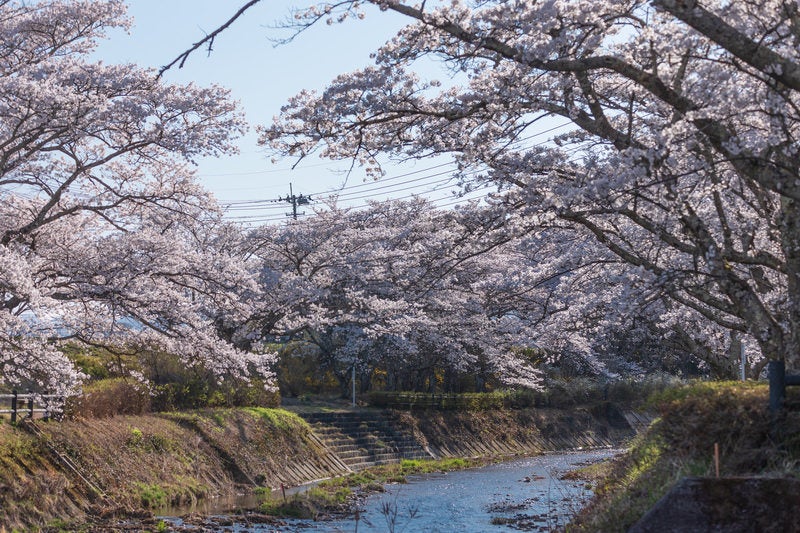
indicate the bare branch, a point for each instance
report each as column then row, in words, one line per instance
column 208, row 39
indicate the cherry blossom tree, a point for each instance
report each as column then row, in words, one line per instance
column 105, row 236
column 682, row 164
column 425, row 296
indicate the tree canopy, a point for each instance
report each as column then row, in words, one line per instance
column 105, row 236
column 669, row 214
column 682, row 163
column 401, row 288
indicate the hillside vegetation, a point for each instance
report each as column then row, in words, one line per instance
column 681, row 442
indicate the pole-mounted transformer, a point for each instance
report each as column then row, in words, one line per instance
column 295, row 201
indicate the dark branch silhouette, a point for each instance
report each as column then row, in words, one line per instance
column 181, row 59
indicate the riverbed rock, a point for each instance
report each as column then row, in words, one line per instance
column 730, row 505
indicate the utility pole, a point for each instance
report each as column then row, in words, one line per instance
column 743, row 361
column 295, row 201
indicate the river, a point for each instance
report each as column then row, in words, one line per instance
column 523, row 494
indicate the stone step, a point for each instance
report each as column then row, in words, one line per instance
column 360, row 433
column 350, row 457
column 363, row 438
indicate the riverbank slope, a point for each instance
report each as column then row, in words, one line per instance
column 680, row 444
column 60, row 472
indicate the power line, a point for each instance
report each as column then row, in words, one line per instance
column 365, row 191
column 325, row 163
column 435, row 202
column 396, row 188
column 351, row 187
column 263, row 218
column 251, row 204
column 382, row 183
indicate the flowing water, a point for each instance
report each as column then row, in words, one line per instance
column 524, row 494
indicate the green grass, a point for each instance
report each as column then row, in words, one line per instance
column 149, row 442
column 279, row 418
column 592, row 474
column 16, row 445
column 264, row 492
column 308, row 504
column 152, row 496
column 706, row 391
column 425, row 466
column 295, row 507
column 60, row 525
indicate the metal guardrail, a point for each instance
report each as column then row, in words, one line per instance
column 28, row 405
column 439, row 400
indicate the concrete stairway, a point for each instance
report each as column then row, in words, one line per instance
column 361, row 439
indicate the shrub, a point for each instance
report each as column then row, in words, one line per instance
column 191, row 392
column 109, row 397
column 173, row 385
column 470, row 401
column 176, row 386
column 558, row 393
column 151, row 496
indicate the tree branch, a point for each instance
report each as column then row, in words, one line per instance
column 181, row 59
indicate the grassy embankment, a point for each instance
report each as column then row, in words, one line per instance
column 681, row 442
column 147, row 462
column 177, row 459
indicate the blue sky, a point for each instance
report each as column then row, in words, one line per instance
column 263, row 76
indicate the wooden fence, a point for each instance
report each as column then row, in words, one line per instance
column 29, row 405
